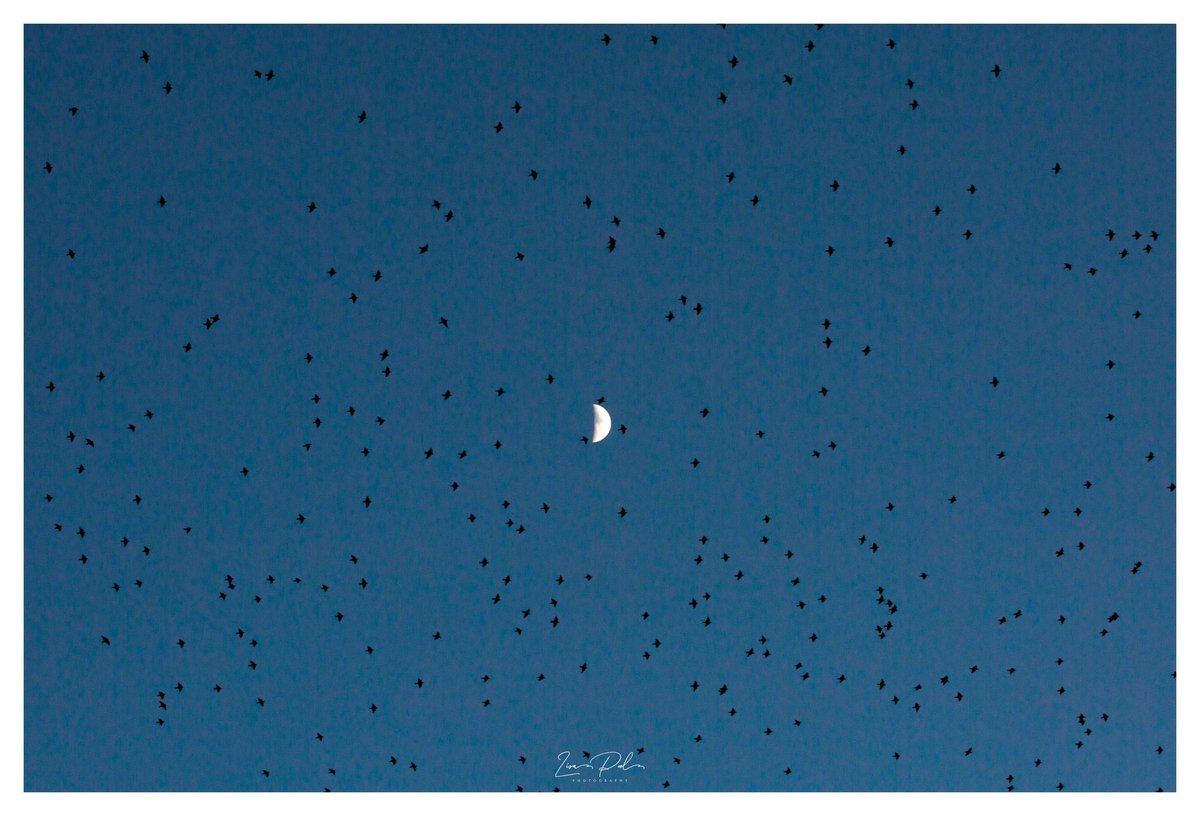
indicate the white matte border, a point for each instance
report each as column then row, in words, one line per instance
column 612, row 12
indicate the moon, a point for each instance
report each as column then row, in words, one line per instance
column 601, row 423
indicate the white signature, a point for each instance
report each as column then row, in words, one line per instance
column 608, row 761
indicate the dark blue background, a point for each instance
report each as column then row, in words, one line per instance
column 638, row 128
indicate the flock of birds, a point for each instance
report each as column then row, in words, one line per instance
column 243, row 635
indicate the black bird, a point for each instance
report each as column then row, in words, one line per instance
column 145, row 57
column 167, row 87
column 362, row 117
column 996, row 70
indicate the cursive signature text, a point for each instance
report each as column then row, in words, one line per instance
column 600, row 763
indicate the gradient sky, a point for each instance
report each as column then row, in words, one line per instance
column 638, row 128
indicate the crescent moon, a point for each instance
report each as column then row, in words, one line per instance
column 601, row 423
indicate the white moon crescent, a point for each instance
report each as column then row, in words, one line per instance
column 601, row 423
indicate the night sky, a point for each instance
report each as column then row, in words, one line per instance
column 888, row 503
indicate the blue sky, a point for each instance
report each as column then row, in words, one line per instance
column 638, row 128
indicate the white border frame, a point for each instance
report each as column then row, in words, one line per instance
column 614, row 12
